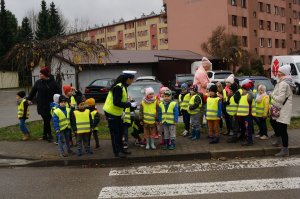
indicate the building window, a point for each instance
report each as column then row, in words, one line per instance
column 283, row 43
column 269, row 43
column 290, row 5
column 276, row 43
column 261, row 24
column 269, row 59
column 276, row 10
column 254, row 14
column 290, row 36
column 163, row 30
column 282, row 27
column 244, row 41
column 262, row 57
column 261, row 42
column 295, row 29
column 276, row 27
column 234, row 20
column 295, row 14
column 282, row 12
column 260, row 7
column 154, row 47
column 269, row 27
column 244, row 22
column 255, row 33
column 244, row 3
column 154, row 36
column 256, row 51
column 233, row 2
column 295, row 44
column 268, row 8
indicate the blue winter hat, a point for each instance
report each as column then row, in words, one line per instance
column 184, row 86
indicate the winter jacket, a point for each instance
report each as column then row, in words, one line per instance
column 44, row 89
column 201, row 80
column 282, row 91
column 55, row 118
column 96, row 119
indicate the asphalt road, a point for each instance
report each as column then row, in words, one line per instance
column 233, row 179
column 8, row 107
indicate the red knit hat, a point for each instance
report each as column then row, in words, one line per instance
column 45, row 71
column 67, row 89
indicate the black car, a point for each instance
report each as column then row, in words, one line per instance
column 175, row 83
column 257, row 81
column 99, row 89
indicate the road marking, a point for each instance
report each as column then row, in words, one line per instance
column 200, row 188
column 199, row 167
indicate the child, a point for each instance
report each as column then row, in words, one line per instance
column 81, row 122
column 229, row 81
column 61, row 123
column 137, row 130
column 220, row 95
column 194, row 108
column 233, row 99
column 148, row 117
column 244, row 111
column 160, row 128
column 262, row 110
column 213, row 114
column 23, row 114
column 54, row 104
column 168, row 117
column 184, row 99
column 95, row 121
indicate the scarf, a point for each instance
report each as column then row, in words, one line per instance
column 149, row 101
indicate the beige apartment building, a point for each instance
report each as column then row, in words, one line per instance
column 145, row 33
column 265, row 27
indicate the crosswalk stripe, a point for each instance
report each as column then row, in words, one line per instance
column 200, row 188
column 198, row 167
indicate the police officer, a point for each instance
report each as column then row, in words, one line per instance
column 115, row 103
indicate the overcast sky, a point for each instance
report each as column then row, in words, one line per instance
column 91, row 11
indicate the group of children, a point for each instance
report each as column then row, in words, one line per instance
column 70, row 113
column 238, row 105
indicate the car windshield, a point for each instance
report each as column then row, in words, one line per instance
column 298, row 66
column 137, row 90
column 221, row 75
column 101, row 82
column 186, row 78
column 265, row 82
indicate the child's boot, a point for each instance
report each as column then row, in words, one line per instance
column 152, row 143
column 196, row 135
column 215, row 140
column 172, row 146
column 162, row 141
column 148, row 143
column 25, row 137
column 192, row 134
column 166, row 141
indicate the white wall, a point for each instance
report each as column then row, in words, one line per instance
column 87, row 76
column 9, row 80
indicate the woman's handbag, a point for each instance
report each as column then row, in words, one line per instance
column 275, row 110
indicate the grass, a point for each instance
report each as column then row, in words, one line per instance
column 13, row 133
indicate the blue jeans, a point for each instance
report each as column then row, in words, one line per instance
column 126, row 133
column 248, row 124
column 23, row 126
column 63, row 139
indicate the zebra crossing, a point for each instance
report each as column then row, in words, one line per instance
column 200, row 188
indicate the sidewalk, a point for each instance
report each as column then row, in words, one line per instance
column 46, row 154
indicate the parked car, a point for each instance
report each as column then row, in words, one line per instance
column 99, row 89
column 259, row 80
column 218, row 75
column 175, row 83
column 147, row 78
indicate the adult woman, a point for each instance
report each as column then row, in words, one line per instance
column 115, row 103
column 282, row 98
column 45, row 88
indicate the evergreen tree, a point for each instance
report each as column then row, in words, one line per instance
column 25, row 32
column 42, row 23
column 55, row 24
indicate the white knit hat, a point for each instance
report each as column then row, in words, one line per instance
column 230, row 79
column 285, row 69
column 149, row 91
column 56, row 98
column 206, row 62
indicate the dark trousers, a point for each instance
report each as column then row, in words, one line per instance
column 236, row 126
column 115, row 125
column 262, row 126
column 47, row 128
column 227, row 121
column 186, row 119
column 82, row 140
column 96, row 138
column 248, row 125
column 242, row 127
column 280, row 129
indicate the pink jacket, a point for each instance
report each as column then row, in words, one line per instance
column 201, row 80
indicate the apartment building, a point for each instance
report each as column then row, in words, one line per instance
column 145, row 33
column 265, row 27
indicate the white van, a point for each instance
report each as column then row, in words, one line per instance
column 294, row 61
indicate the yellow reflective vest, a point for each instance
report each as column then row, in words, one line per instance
column 243, row 108
column 192, row 102
column 185, row 102
column 149, row 112
column 212, row 108
column 260, row 107
column 21, row 109
column 168, row 115
column 82, row 119
column 127, row 117
column 232, row 108
column 109, row 106
column 93, row 113
column 225, row 96
column 63, row 120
